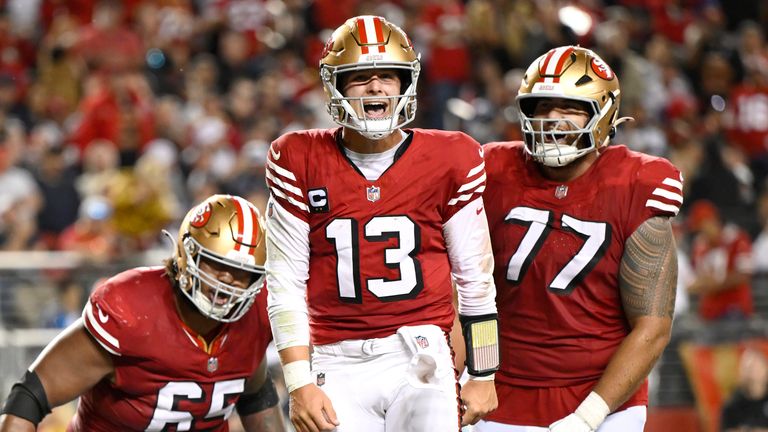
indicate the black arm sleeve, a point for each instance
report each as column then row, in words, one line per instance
column 265, row 397
column 27, row 399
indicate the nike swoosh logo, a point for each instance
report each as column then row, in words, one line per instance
column 479, row 210
column 481, row 152
column 275, row 155
column 102, row 316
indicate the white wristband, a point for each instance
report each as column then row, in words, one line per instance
column 593, row 410
column 297, row 374
column 490, row 377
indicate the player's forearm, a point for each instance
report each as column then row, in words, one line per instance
column 268, row 420
column 293, row 354
column 10, row 423
column 296, row 367
column 633, row 361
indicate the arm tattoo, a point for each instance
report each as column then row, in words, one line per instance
column 648, row 271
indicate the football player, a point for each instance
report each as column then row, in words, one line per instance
column 585, row 257
column 176, row 347
column 368, row 225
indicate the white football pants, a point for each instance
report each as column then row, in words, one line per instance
column 402, row 383
column 631, row 419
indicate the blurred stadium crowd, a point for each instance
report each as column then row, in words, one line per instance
column 117, row 115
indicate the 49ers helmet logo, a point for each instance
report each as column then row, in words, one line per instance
column 201, row 216
column 601, row 69
column 327, row 48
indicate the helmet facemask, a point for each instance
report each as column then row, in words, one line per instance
column 223, row 302
column 556, row 142
column 342, row 108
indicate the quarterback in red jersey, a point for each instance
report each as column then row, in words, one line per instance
column 180, row 346
column 369, row 227
column 585, row 259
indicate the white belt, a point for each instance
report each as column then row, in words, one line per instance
column 363, row 347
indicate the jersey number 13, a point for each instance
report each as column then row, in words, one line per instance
column 343, row 234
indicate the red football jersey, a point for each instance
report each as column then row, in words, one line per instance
column 163, row 380
column 377, row 258
column 732, row 253
column 557, row 249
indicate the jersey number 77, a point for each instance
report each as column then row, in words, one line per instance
column 596, row 236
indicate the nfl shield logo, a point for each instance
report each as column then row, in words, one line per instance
column 373, row 193
column 213, row 364
column 320, row 379
column 561, row 191
column 422, row 341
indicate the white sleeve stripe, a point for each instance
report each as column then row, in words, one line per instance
column 476, row 169
column 280, row 170
column 285, row 186
column 668, row 195
column 107, row 338
column 466, row 197
column 471, row 185
column 661, row 206
column 298, row 204
column 674, row 183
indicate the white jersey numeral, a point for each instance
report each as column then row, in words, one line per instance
column 343, row 233
column 596, row 235
column 169, row 396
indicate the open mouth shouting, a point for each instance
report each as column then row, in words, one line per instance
column 376, row 109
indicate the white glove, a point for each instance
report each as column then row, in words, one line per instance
column 587, row 417
column 570, row 423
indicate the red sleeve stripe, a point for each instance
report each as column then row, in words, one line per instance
column 283, row 190
column 473, row 184
column 106, row 340
column 473, row 172
column 466, row 197
column 472, row 187
column 662, row 206
column 677, row 184
column 247, row 224
column 285, row 186
column 282, row 172
column 664, row 193
column 668, row 198
column 279, row 194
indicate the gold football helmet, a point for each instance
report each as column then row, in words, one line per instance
column 227, row 230
column 370, row 42
column 575, row 74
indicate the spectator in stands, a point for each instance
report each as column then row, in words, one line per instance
column 143, row 202
column 56, row 179
column 746, row 410
column 19, row 195
column 760, row 247
column 721, row 254
column 92, row 234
